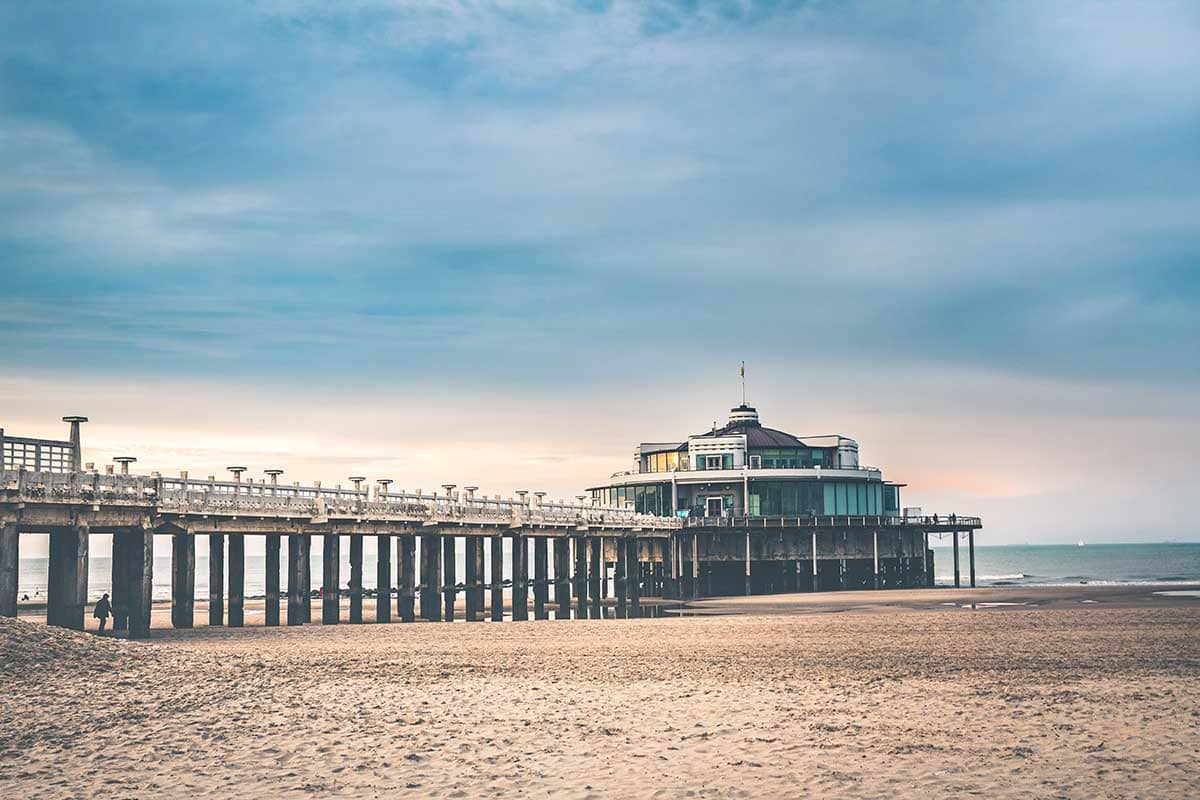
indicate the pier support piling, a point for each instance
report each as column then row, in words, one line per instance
column 66, row 590
column 520, row 577
column 595, row 565
column 295, row 582
column 562, row 578
column 216, row 579
column 306, row 575
column 140, row 576
column 971, row 555
column 431, row 578
column 449, row 576
column 271, row 603
column 875, row 556
column 406, row 577
column 497, row 576
column 331, row 568
column 120, row 582
column 10, row 545
column 474, row 577
column 633, row 576
column 621, row 580
column 957, row 581
column 356, row 578
column 383, row 578
column 183, row 580
column 747, row 556
column 541, row 578
column 581, row 577
column 237, row 580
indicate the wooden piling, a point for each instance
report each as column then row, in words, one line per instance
column 295, row 583
column 562, row 577
column 520, row 578
column 183, row 580
column 66, row 590
column 331, row 578
column 383, row 578
column 216, row 579
column 140, row 575
column 497, row 579
column 10, row 546
column 406, row 577
column 449, row 576
column 356, row 578
column 271, row 603
column 541, row 578
column 237, row 580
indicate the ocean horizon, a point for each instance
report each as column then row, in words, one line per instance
column 1160, row 563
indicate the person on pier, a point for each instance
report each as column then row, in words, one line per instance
column 102, row 611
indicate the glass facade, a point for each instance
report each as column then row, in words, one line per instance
column 654, row 498
column 789, row 457
column 35, row 455
column 661, row 462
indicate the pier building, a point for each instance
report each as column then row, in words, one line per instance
column 763, row 510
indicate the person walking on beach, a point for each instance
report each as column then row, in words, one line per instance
column 102, row 610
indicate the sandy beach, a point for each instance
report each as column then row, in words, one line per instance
column 1091, row 692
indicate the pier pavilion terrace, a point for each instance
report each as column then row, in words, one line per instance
column 765, row 511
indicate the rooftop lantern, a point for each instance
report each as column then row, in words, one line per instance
column 357, row 480
column 125, row 461
column 237, row 473
column 384, row 483
column 471, row 490
column 449, row 487
column 521, row 494
column 274, row 473
column 540, row 498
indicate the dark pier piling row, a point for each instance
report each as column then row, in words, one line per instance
column 571, row 572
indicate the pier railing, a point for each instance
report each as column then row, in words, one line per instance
column 183, row 496
column 948, row 522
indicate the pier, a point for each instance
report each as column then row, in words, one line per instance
column 45, row 488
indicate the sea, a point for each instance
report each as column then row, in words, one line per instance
column 1162, row 564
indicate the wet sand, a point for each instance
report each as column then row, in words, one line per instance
column 854, row 694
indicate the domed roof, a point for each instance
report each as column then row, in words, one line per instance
column 743, row 420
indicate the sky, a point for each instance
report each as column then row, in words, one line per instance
column 503, row 242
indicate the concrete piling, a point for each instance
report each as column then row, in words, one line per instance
column 237, row 580
column 297, row 583
column 971, row 556
column 562, row 577
column 497, row 578
column 595, row 577
column 183, row 580
column 119, row 593
column 474, row 577
column 140, row 574
column 541, row 578
column 271, row 603
column 306, row 576
column 356, row 578
column 331, row 569
column 633, row 574
column 581, row 577
column 406, row 577
column 520, row 577
column 216, row 579
column 621, row 580
column 957, row 582
column 431, row 578
column 10, row 544
column 449, row 577
column 383, row 578
column 66, row 591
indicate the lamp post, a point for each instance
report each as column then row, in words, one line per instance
column 124, row 461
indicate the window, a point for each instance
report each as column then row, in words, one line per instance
column 755, row 462
column 714, row 462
